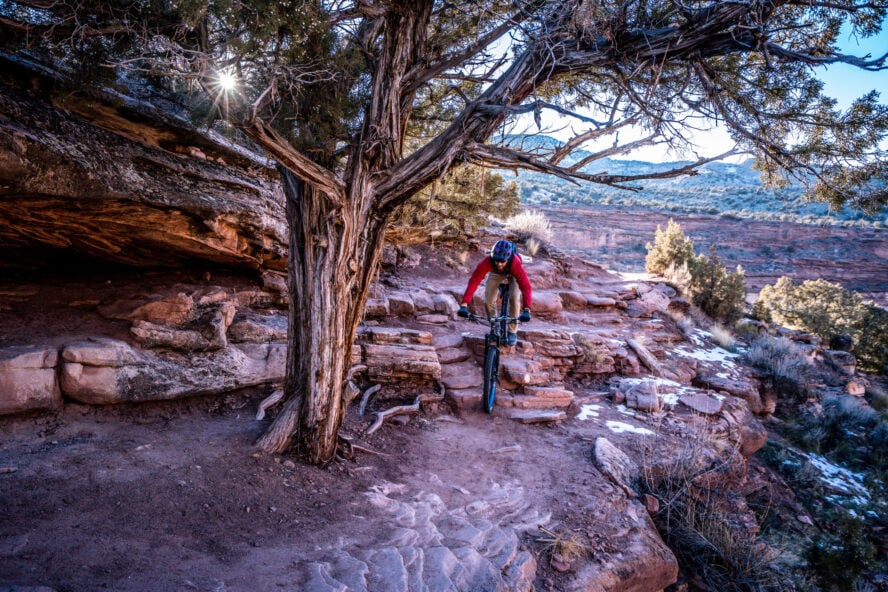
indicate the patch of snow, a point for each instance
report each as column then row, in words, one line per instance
column 670, row 399
column 587, row 411
column 719, row 355
column 618, row 427
column 843, row 480
column 625, row 410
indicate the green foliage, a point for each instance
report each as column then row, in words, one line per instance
column 455, row 207
column 839, row 557
column 719, row 294
column 670, row 248
column 828, row 309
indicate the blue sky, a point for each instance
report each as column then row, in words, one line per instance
column 847, row 83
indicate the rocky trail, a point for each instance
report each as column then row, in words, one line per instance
column 130, row 408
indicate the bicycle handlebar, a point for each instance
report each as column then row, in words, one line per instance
column 482, row 320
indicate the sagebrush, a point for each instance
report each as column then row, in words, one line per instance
column 827, row 309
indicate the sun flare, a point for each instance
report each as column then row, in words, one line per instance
column 227, row 81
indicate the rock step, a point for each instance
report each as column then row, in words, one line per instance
column 536, row 415
column 532, row 402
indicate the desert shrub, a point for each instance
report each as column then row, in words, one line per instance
column 749, row 330
column 872, row 341
column 782, row 364
column 679, row 276
column 840, row 557
column 839, row 431
column 828, row 309
column 670, row 248
column 695, row 522
column 456, row 206
column 721, row 295
column 531, row 228
column 878, row 398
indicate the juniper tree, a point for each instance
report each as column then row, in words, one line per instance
column 363, row 103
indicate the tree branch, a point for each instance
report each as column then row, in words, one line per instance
column 279, row 149
column 419, row 75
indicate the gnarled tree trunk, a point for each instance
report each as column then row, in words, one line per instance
column 335, row 249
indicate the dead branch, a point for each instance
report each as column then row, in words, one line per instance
column 269, row 401
column 366, row 397
column 381, row 416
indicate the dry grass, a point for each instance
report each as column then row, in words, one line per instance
column 695, row 520
column 531, row 228
column 570, row 546
column 723, row 337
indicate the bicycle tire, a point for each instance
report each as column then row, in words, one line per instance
column 491, row 375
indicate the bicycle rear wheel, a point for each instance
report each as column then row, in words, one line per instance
column 491, row 375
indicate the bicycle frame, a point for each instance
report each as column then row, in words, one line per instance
column 492, row 341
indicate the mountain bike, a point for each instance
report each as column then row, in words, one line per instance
column 499, row 327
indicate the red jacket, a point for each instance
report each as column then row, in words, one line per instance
column 516, row 269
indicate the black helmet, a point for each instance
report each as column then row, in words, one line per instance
column 502, row 251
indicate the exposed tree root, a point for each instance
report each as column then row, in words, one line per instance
column 269, row 401
column 370, row 391
column 381, row 416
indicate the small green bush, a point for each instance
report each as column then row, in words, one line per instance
column 840, row 557
column 828, row 309
column 721, row 295
column 670, row 248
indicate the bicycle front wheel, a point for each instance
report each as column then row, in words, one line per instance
column 491, row 375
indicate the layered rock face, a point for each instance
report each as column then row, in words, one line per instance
column 117, row 183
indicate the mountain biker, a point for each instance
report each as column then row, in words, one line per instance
column 503, row 263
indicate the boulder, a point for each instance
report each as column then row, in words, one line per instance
column 401, row 305
column 394, row 335
column 468, row 398
column 701, row 403
column 376, row 308
column 464, row 375
column 639, row 560
column 28, row 379
column 752, row 434
column 529, row 402
column 445, row 304
column 395, row 361
column 256, row 328
column 649, row 303
column 536, row 415
column 109, row 371
column 522, row 371
column 547, row 304
column 616, row 466
column 572, row 300
column 452, row 355
column 422, row 302
column 738, row 388
column 600, row 301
